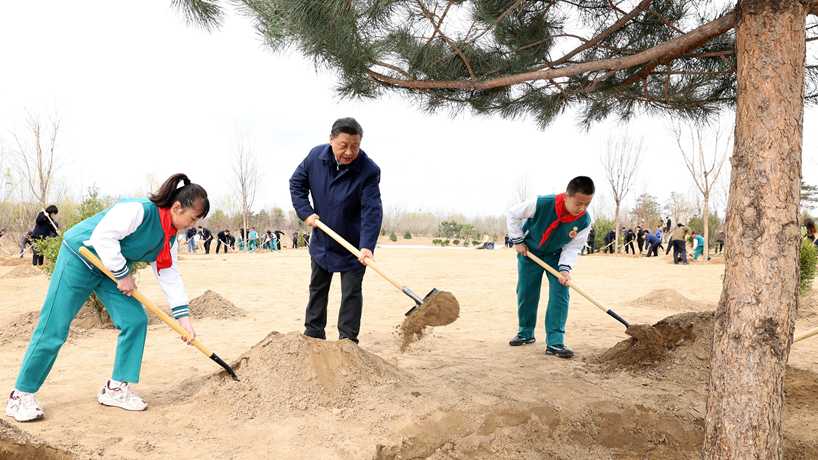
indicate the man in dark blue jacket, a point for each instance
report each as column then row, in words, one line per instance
column 344, row 184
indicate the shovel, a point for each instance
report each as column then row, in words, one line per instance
column 160, row 313
column 805, row 335
column 550, row 270
column 370, row 263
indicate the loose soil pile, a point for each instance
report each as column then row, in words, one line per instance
column 438, row 309
column 679, row 343
column 23, row 271
column 668, row 299
column 17, row 445
column 212, row 305
column 22, row 326
column 678, row 348
column 606, row 430
column 291, row 371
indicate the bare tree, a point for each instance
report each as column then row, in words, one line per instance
column 37, row 157
column 620, row 163
column 246, row 175
column 522, row 190
column 678, row 207
column 704, row 169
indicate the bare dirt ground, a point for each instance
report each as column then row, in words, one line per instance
column 459, row 393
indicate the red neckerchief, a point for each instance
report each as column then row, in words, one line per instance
column 563, row 217
column 164, row 260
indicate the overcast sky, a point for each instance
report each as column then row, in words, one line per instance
column 141, row 94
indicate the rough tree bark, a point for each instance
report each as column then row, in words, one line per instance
column 756, row 314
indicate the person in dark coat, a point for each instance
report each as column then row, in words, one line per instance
column 191, row 239
column 609, row 239
column 278, row 234
column 344, row 184
column 45, row 227
column 222, row 239
column 629, row 237
column 207, row 238
column 640, row 238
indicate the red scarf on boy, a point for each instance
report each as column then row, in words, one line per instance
column 563, row 217
column 164, row 259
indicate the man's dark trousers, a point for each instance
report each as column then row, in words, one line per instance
column 349, row 316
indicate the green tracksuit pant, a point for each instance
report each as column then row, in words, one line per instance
column 72, row 282
column 529, row 283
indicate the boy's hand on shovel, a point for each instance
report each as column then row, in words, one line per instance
column 191, row 334
column 565, row 279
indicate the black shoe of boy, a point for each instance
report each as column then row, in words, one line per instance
column 560, row 351
column 517, row 341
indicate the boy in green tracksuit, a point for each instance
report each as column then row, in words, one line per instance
column 555, row 228
column 130, row 231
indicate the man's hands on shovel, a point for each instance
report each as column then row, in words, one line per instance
column 365, row 253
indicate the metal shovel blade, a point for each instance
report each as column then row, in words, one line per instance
column 418, row 302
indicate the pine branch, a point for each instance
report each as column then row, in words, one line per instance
column 667, row 50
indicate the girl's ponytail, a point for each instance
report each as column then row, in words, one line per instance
column 189, row 194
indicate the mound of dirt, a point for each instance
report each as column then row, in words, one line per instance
column 212, row 305
column 23, row 271
column 438, row 309
column 291, row 371
column 18, row 445
column 22, row 326
column 19, row 328
column 668, row 299
column 516, row 430
column 677, row 343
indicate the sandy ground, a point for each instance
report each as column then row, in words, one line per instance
column 461, row 392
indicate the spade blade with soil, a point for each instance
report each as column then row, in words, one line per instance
column 441, row 312
column 91, row 257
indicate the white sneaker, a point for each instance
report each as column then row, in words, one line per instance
column 23, row 407
column 120, row 396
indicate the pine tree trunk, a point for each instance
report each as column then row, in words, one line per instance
column 756, row 314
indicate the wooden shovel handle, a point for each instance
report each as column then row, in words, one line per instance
column 357, row 253
column 573, row 286
column 805, row 335
column 150, row 306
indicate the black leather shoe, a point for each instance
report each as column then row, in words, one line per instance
column 560, row 351
column 517, row 341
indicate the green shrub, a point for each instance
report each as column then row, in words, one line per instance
column 475, row 242
column 393, row 237
column 465, row 243
column 809, row 258
column 407, row 236
column 445, row 242
column 436, row 242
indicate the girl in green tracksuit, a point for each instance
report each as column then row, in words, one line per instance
column 138, row 230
